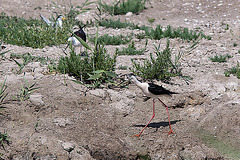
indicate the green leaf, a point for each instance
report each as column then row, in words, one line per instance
column 110, row 74
column 99, row 71
column 94, row 76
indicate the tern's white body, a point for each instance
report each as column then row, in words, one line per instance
column 74, row 41
column 58, row 22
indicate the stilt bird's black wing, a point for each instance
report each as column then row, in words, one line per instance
column 158, row 90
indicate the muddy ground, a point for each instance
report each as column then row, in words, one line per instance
column 77, row 123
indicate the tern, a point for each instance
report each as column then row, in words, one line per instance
column 57, row 23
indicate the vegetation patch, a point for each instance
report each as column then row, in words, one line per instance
column 223, row 147
column 130, row 50
column 234, row 71
column 159, row 32
column 4, row 138
column 169, row 32
column 160, row 66
column 221, row 58
column 97, row 63
column 122, row 7
column 25, row 91
column 31, row 33
column 37, row 34
column 28, row 57
column 3, row 94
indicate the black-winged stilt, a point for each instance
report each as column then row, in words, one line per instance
column 57, row 23
column 80, row 33
column 152, row 91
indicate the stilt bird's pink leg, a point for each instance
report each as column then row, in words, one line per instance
column 138, row 135
column 168, row 119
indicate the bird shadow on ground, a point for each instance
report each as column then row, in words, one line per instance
column 157, row 124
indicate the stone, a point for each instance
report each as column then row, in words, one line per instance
column 80, row 153
column 36, row 100
column 232, row 86
column 114, row 95
column 98, row 92
column 62, row 122
column 129, row 14
column 68, row 146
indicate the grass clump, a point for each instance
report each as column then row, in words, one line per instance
column 25, row 91
column 234, row 70
column 155, row 68
column 121, row 67
column 4, row 138
column 183, row 33
column 37, row 34
column 27, row 58
column 161, row 66
column 95, row 68
column 3, row 94
column 151, row 20
column 159, row 32
column 31, row 33
column 235, row 44
column 113, row 40
column 130, row 50
column 111, row 23
column 122, row 7
column 221, row 58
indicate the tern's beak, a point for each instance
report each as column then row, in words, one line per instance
column 63, row 18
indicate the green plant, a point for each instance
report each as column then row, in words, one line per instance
column 123, row 67
column 95, row 63
column 111, row 23
column 123, row 7
column 235, row 44
column 143, row 156
column 158, row 33
column 221, row 58
column 169, row 32
column 151, row 20
column 162, row 67
column 4, row 138
column 234, row 70
column 81, row 67
column 130, row 50
column 27, row 58
column 100, row 76
column 25, row 91
column 3, row 94
column 3, row 53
